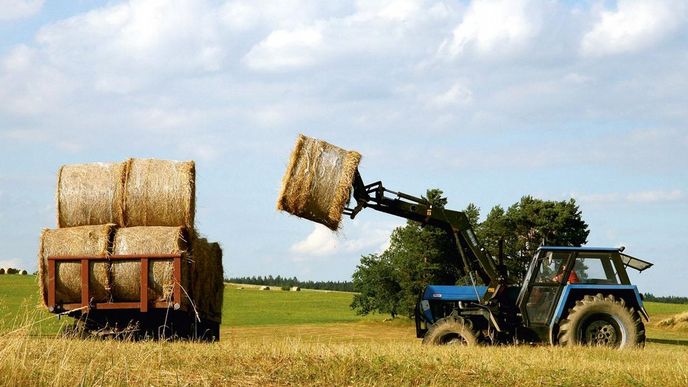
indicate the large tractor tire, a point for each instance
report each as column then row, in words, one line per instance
column 602, row 321
column 451, row 331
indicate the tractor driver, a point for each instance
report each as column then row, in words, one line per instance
column 573, row 277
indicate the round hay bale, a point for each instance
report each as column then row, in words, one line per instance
column 317, row 182
column 295, row 289
column 90, row 194
column 208, row 278
column 264, row 288
column 160, row 193
column 126, row 275
column 74, row 241
column 24, row 272
column 2, row 271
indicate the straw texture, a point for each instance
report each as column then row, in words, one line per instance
column 208, row 278
column 160, row 193
column 90, row 194
column 317, row 182
column 126, row 275
column 74, row 241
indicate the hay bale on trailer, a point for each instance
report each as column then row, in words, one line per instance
column 126, row 275
column 90, row 194
column 317, row 182
column 208, row 278
column 74, row 241
column 160, row 193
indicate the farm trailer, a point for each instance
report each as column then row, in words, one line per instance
column 173, row 316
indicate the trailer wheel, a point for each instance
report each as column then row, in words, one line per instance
column 602, row 321
column 451, row 331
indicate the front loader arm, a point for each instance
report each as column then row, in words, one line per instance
column 473, row 257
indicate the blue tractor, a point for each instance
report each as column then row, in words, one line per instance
column 570, row 295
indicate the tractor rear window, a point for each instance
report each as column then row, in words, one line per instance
column 596, row 269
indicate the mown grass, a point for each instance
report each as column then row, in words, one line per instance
column 275, row 360
column 249, row 306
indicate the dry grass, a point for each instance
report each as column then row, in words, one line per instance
column 292, row 357
column 160, row 193
column 677, row 322
column 83, row 240
column 90, row 194
column 317, row 182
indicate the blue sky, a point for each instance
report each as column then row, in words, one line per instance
column 487, row 100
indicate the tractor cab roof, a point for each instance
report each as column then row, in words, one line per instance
column 627, row 260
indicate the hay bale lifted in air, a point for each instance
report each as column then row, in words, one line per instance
column 317, row 182
column 74, row 241
column 90, row 194
column 208, row 278
column 126, row 275
column 160, row 193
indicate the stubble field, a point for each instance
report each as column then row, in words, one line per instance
column 313, row 338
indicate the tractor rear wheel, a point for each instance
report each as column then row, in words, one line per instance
column 602, row 321
column 451, row 331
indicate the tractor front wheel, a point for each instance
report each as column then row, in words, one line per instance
column 451, row 331
column 602, row 321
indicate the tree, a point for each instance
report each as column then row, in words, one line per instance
column 420, row 255
column 417, row 255
column 528, row 224
column 376, row 281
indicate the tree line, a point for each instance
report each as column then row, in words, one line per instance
column 288, row 282
column 667, row 299
column 419, row 255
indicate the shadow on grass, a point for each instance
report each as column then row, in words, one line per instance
column 668, row 341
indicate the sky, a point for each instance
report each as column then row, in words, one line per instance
column 486, row 100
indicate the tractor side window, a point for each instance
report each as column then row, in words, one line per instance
column 596, row 269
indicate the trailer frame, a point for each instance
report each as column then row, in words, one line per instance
column 143, row 305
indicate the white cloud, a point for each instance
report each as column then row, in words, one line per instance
column 286, row 49
column 30, row 86
column 458, row 95
column 25, row 135
column 321, row 241
column 367, row 237
column 656, row 196
column 19, row 9
column 494, row 26
column 633, row 25
column 397, row 10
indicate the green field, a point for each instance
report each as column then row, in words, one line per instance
column 312, row 337
column 245, row 306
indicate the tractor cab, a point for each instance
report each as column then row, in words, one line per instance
column 560, row 276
